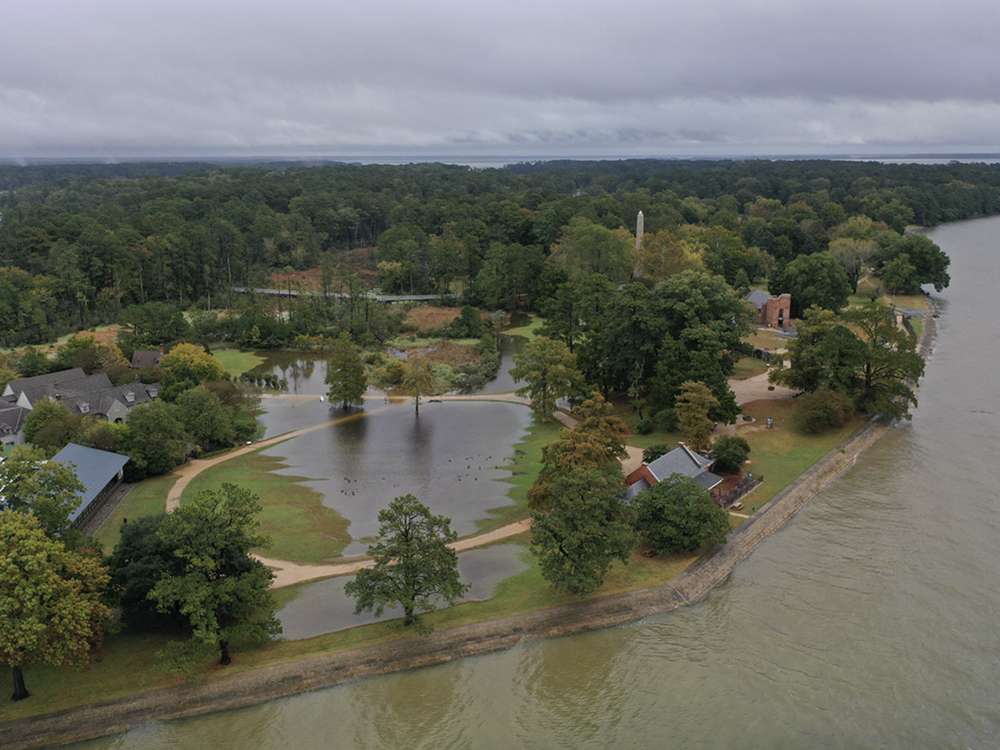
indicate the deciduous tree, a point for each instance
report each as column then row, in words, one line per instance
column 693, row 407
column 549, row 371
column 50, row 599
column 419, row 379
column 49, row 490
column 890, row 365
column 345, row 374
column 414, row 566
column 221, row 589
column 678, row 515
column 584, row 530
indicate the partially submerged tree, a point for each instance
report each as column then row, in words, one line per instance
column 549, row 371
column 419, row 379
column 583, row 531
column 678, row 515
column 50, row 599
column 220, row 588
column 345, row 374
column 414, row 566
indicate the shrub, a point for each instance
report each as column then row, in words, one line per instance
column 730, row 453
column 823, row 409
column 644, row 427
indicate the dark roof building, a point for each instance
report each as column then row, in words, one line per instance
column 12, row 419
column 146, row 357
column 681, row 460
column 775, row 311
column 16, row 387
column 99, row 471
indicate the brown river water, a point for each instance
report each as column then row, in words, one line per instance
column 870, row 621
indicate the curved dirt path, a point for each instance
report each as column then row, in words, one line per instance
column 287, row 572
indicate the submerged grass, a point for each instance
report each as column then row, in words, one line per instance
column 302, row 528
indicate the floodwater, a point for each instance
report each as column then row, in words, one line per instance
column 870, row 621
column 449, row 457
column 323, row 607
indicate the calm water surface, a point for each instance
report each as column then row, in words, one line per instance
column 869, row 622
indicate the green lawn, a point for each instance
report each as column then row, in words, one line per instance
column 238, row 362
column 766, row 338
column 144, row 499
column 748, row 367
column 782, row 454
column 529, row 331
column 303, row 528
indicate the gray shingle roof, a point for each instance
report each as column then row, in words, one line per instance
column 49, row 379
column 146, row 357
column 95, row 468
column 682, row 460
column 757, row 298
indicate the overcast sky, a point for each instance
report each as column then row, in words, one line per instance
column 517, row 78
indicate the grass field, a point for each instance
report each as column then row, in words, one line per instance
column 529, row 331
column 783, row 453
column 303, row 528
column 146, row 498
column 237, row 362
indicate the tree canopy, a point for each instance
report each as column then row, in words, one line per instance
column 345, row 374
column 585, row 528
column 49, row 490
column 50, row 599
column 220, row 588
column 549, row 371
column 678, row 515
column 414, row 567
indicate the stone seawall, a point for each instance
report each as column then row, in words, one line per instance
column 260, row 685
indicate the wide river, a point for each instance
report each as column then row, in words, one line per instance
column 870, row 621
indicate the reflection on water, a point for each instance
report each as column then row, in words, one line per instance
column 322, row 607
column 448, row 457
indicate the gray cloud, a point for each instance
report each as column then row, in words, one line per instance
column 633, row 77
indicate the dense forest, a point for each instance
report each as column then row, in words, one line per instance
column 81, row 244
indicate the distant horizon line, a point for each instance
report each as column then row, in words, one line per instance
column 488, row 160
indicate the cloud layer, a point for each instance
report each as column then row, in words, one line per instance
column 542, row 78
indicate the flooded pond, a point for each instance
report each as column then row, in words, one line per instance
column 322, row 607
column 448, row 457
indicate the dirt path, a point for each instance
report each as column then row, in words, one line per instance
column 186, row 472
column 287, row 573
column 758, row 388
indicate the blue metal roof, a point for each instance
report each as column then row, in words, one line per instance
column 95, row 468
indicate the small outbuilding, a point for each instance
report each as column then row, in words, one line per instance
column 775, row 310
column 681, row 460
column 99, row 471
